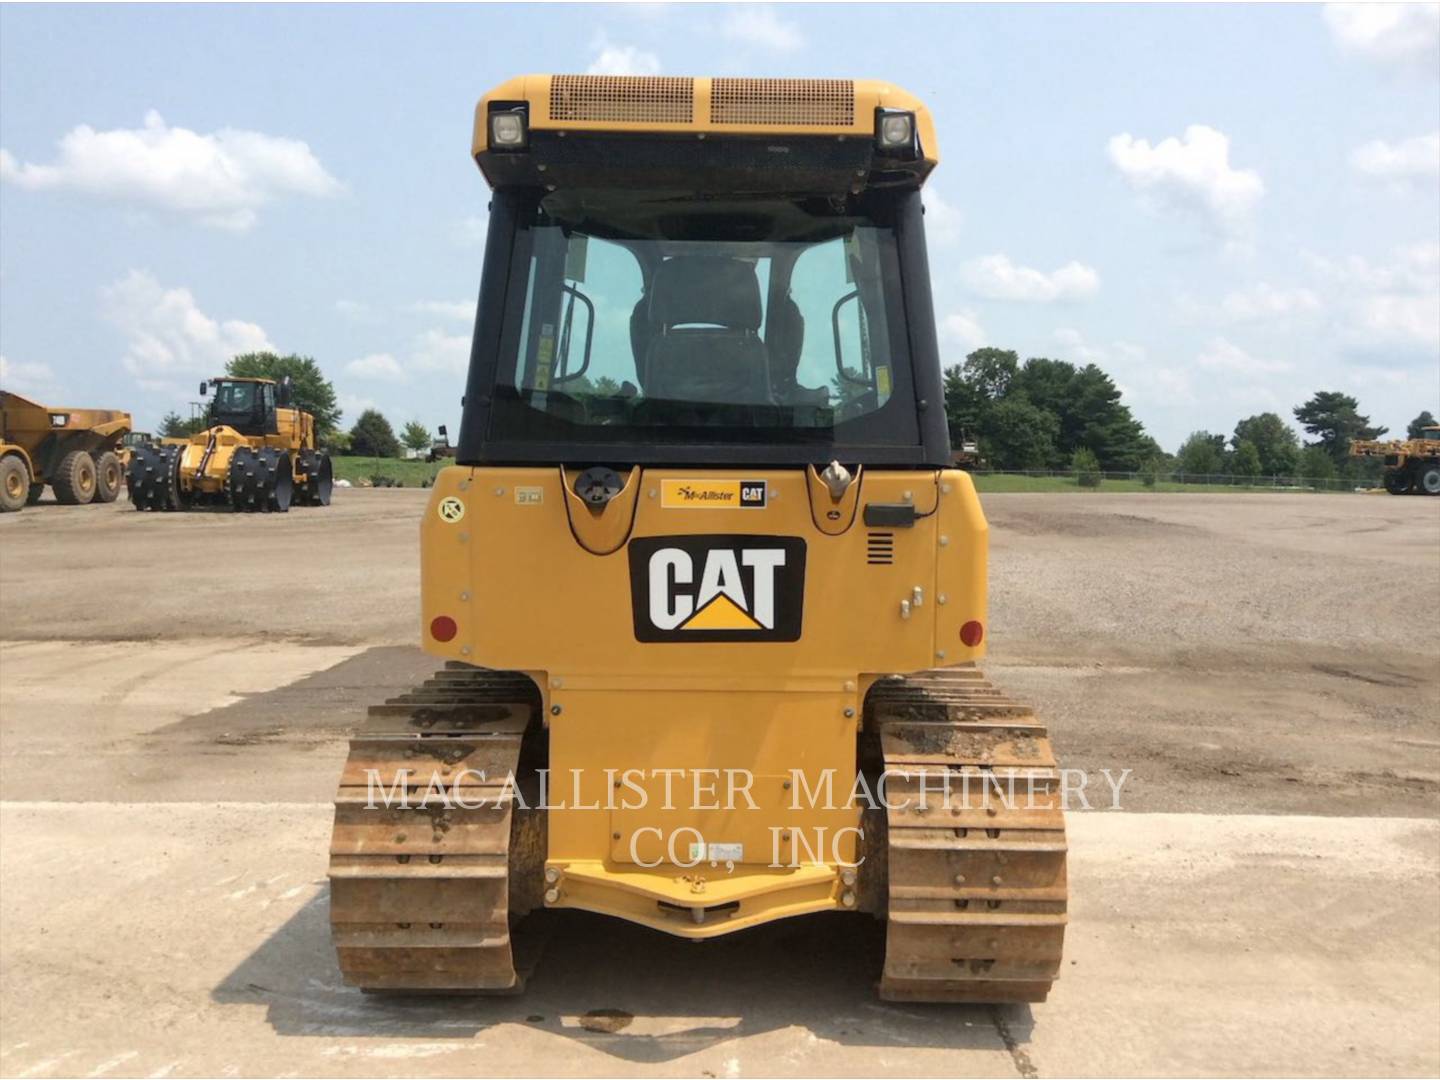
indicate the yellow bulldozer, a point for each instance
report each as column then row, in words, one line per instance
column 257, row 453
column 1412, row 466
column 708, row 590
column 75, row 451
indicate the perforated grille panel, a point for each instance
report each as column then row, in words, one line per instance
column 637, row 98
column 822, row 102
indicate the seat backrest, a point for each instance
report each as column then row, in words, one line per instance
column 705, row 313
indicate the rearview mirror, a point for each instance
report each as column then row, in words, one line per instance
column 285, row 393
column 443, row 433
column 203, row 388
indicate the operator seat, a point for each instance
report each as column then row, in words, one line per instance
column 705, row 315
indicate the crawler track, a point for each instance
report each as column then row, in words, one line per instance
column 422, row 898
column 976, row 861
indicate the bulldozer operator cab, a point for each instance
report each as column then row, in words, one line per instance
column 652, row 299
column 246, row 405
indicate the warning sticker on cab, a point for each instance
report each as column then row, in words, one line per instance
column 714, row 494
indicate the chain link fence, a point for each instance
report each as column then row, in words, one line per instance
column 1167, row 480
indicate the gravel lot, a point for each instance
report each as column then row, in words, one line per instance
column 175, row 692
column 1275, row 651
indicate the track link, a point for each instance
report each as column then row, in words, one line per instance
column 421, row 895
column 976, row 842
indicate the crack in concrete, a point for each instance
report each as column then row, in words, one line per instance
column 1024, row 1066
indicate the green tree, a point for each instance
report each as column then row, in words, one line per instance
column 1086, row 466
column 974, row 387
column 1416, row 427
column 1317, row 464
column 1017, row 435
column 175, row 426
column 1334, row 419
column 415, row 435
column 1086, row 404
column 1202, row 454
column 372, row 436
column 1275, row 442
column 1152, row 469
column 311, row 391
column 1246, row 460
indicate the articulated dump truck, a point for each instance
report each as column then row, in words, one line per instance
column 708, row 591
column 257, row 453
column 75, row 451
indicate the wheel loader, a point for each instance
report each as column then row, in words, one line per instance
column 708, row 592
column 75, row 451
column 257, row 453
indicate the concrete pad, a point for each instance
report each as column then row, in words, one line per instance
column 187, row 939
column 87, row 720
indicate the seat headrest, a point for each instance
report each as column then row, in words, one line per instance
column 705, row 289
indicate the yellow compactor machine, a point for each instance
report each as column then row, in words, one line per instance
column 708, row 591
column 75, row 451
column 257, row 453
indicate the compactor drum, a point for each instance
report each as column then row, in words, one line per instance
column 257, row 454
column 708, row 592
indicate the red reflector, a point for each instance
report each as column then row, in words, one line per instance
column 971, row 634
column 443, row 628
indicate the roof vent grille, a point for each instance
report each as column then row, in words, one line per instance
column 817, row 102
column 643, row 99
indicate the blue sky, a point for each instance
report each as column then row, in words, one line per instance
column 1226, row 207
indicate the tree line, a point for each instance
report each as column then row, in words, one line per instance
column 1046, row 414
column 371, row 435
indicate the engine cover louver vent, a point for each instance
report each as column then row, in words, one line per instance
column 880, row 548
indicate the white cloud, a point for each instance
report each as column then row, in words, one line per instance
column 942, row 220
column 1391, row 309
column 996, row 277
column 380, row 366
column 1400, row 320
column 615, row 59
column 436, row 350
column 1222, row 355
column 472, row 230
column 352, row 405
column 963, row 328
column 1416, row 158
column 167, row 332
column 1191, row 174
column 463, row 310
column 1116, row 354
column 220, row 179
column 29, row 379
column 1388, row 34
column 759, row 25
column 1265, row 301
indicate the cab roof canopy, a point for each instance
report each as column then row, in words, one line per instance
column 702, row 135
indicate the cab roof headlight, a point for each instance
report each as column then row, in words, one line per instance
column 508, row 129
column 895, row 133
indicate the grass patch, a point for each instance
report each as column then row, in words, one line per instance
column 409, row 473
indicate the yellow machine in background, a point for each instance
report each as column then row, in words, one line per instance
column 257, row 453
column 708, row 588
column 1412, row 466
column 75, row 451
